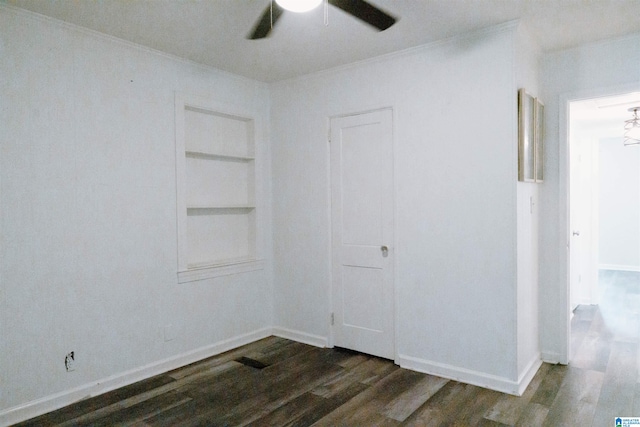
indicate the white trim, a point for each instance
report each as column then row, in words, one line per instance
column 208, row 272
column 396, row 238
column 416, row 50
column 38, row 17
column 563, row 234
column 302, row 337
column 551, row 357
column 528, row 373
column 564, row 258
column 180, row 104
column 581, row 301
column 252, row 262
column 329, row 217
column 619, row 267
column 467, row 376
column 67, row 397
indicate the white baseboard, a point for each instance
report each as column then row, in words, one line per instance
column 619, row 267
column 56, row 401
column 468, row 376
column 553, row 358
column 582, row 301
column 303, row 337
column 528, row 373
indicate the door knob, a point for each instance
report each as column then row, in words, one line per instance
column 576, row 233
column 385, row 251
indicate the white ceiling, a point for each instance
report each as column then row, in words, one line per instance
column 606, row 114
column 213, row 32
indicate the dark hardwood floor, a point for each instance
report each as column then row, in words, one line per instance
column 276, row 382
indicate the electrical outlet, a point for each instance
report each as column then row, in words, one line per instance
column 70, row 362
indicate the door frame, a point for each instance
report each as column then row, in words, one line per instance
column 564, row 230
column 331, row 335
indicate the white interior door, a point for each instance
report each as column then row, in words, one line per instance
column 575, row 249
column 362, row 232
column 583, row 254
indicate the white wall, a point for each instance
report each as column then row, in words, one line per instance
column 527, row 77
column 454, row 109
column 88, row 216
column 619, row 205
column 605, row 68
column 88, row 206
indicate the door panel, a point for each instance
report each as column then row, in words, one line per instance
column 362, row 232
column 361, row 181
column 363, row 295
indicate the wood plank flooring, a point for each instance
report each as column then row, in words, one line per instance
column 276, row 382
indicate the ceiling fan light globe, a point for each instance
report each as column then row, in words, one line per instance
column 299, row 6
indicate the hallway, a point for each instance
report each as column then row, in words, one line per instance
column 605, row 363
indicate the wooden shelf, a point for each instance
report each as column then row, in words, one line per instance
column 221, row 157
column 221, row 208
column 197, row 272
column 221, row 263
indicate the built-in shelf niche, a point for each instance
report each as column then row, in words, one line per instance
column 219, row 182
column 216, row 169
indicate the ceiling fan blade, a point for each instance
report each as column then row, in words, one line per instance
column 366, row 12
column 269, row 17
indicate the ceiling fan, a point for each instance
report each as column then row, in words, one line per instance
column 360, row 9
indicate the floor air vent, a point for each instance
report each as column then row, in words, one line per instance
column 252, row 363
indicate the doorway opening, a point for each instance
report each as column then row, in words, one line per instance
column 604, row 228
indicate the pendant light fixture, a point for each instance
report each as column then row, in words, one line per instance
column 632, row 128
column 299, row 5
